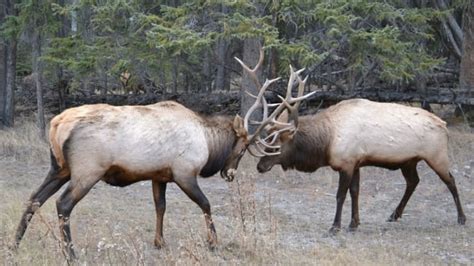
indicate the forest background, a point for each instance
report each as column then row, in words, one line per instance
column 60, row 53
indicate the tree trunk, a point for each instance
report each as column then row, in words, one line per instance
column 222, row 46
column 9, row 109
column 450, row 28
column 466, row 72
column 62, row 81
column 250, row 58
column 207, row 72
column 221, row 63
column 175, row 76
column 163, row 83
column 3, row 69
column 38, row 76
column 10, row 70
column 62, row 92
column 3, row 79
column 74, row 18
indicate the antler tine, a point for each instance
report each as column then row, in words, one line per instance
column 299, row 99
column 291, row 80
column 257, row 101
column 298, row 72
column 265, row 153
column 301, row 85
column 276, row 122
column 274, row 134
column 253, row 72
column 253, row 153
column 294, row 75
column 266, row 145
column 259, row 152
column 251, row 95
column 265, row 108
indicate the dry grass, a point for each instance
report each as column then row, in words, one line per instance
column 23, row 143
column 275, row 218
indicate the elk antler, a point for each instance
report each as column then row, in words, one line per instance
column 260, row 101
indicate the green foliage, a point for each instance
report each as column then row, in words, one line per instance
column 37, row 15
column 11, row 27
column 147, row 37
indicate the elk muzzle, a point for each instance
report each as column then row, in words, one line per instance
column 265, row 164
column 228, row 174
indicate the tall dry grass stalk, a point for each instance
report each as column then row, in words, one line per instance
column 23, row 143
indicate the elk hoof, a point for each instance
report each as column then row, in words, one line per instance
column 160, row 243
column 230, row 175
column 462, row 220
column 71, row 255
column 353, row 226
column 212, row 238
column 212, row 244
column 334, row 230
column 393, row 218
column 13, row 247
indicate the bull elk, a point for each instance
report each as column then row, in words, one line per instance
column 357, row 133
column 164, row 142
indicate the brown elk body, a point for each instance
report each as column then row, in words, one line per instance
column 357, row 133
column 163, row 142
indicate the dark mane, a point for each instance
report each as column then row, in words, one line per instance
column 310, row 144
column 220, row 140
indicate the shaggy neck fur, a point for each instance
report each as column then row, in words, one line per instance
column 220, row 141
column 309, row 147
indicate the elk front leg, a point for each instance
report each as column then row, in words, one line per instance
column 159, row 190
column 354, row 191
column 344, row 182
column 191, row 188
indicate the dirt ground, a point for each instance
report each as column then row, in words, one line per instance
column 276, row 218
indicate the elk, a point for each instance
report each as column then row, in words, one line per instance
column 121, row 145
column 356, row 133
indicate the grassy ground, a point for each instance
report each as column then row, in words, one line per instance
column 275, row 218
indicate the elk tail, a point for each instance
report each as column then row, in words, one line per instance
column 59, row 135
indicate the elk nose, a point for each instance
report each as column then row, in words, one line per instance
column 228, row 175
column 261, row 168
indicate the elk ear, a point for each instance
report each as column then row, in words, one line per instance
column 283, row 117
column 238, row 126
column 287, row 136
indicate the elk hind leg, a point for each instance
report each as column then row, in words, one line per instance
column 159, row 190
column 52, row 183
column 354, row 191
column 65, row 204
column 441, row 167
column 192, row 190
column 411, row 177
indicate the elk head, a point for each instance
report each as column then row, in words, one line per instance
column 282, row 121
